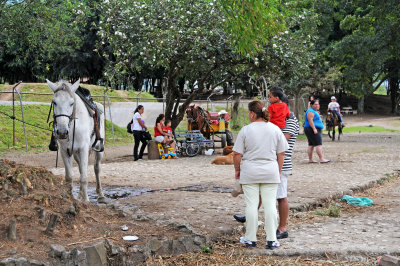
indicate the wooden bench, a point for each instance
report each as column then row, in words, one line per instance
column 348, row 111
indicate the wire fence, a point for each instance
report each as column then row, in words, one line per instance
column 209, row 104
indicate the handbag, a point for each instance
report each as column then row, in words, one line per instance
column 237, row 189
column 147, row 135
column 129, row 127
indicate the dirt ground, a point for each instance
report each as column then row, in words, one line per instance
column 192, row 191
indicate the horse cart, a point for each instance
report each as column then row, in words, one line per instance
column 212, row 125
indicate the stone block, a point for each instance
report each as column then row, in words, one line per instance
column 388, row 260
column 152, row 149
column 57, row 251
column 78, row 257
column 96, row 255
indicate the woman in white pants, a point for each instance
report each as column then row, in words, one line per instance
column 258, row 158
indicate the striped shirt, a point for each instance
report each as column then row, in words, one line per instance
column 292, row 128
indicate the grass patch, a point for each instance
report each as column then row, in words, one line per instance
column 369, row 129
column 332, row 211
column 94, row 90
column 381, row 91
column 38, row 139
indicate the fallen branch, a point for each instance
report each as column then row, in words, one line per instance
column 81, row 242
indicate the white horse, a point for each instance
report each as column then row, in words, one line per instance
column 75, row 132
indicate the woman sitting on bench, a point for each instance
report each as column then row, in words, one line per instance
column 161, row 135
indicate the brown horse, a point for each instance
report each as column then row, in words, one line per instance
column 199, row 119
column 332, row 121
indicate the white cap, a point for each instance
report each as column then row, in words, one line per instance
column 222, row 112
column 333, row 98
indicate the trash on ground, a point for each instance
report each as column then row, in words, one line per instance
column 124, row 227
column 355, row 201
column 209, row 152
column 130, row 238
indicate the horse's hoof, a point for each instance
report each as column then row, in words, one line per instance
column 102, row 200
column 84, row 199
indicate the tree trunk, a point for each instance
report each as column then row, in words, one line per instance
column 394, row 70
column 360, row 105
column 235, row 108
column 394, row 93
column 296, row 106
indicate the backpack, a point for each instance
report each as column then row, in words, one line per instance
column 129, row 127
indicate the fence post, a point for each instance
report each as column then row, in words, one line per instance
column 13, row 116
column 23, row 118
column 109, row 109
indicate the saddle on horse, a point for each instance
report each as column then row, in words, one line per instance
column 84, row 94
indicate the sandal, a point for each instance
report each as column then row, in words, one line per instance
column 326, row 161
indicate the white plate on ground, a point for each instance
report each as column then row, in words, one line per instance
column 130, row 238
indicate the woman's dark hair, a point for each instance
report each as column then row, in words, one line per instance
column 138, row 108
column 314, row 101
column 257, row 108
column 159, row 118
column 277, row 92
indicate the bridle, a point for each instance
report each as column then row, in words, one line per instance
column 70, row 117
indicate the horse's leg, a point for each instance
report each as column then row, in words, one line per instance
column 83, row 166
column 97, row 169
column 333, row 133
column 68, row 171
column 329, row 132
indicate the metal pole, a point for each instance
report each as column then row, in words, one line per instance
column 13, row 99
column 22, row 112
column 13, row 116
column 244, row 111
column 109, row 109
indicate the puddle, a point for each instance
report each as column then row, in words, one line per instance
column 125, row 192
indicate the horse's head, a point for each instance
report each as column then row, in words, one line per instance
column 329, row 116
column 63, row 105
column 190, row 112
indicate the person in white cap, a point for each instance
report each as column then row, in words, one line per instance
column 335, row 107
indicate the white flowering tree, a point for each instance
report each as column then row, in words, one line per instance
column 288, row 59
column 185, row 37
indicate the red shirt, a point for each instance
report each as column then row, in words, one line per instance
column 278, row 114
column 157, row 132
column 167, row 129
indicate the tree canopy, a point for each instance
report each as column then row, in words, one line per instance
column 312, row 45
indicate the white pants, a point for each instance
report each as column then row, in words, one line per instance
column 268, row 196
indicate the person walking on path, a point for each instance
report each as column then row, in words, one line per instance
column 291, row 131
column 138, row 127
column 313, row 130
column 258, row 158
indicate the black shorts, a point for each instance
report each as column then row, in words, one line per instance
column 313, row 139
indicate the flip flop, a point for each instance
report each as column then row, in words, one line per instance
column 326, row 161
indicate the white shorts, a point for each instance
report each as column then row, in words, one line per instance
column 159, row 139
column 282, row 187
